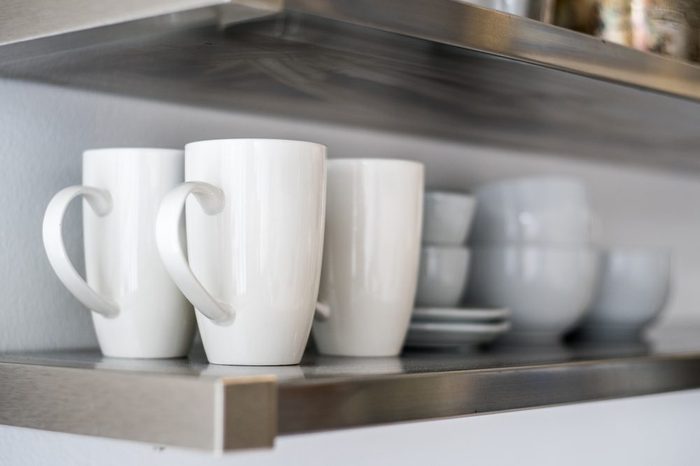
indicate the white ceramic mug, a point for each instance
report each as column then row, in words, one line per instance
column 138, row 310
column 254, row 245
column 370, row 258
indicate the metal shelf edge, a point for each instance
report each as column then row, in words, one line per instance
column 468, row 26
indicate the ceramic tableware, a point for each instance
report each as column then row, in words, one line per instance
column 429, row 334
column 371, row 255
column 138, row 312
column 442, row 276
column 534, row 210
column 443, row 314
column 447, row 217
column 633, row 289
column 254, row 245
column 546, row 288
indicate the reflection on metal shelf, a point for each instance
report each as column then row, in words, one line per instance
column 194, row 412
column 25, row 20
column 190, row 403
column 467, row 26
column 305, row 67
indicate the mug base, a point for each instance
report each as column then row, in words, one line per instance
column 248, row 362
column 117, row 355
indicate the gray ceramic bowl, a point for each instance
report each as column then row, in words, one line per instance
column 447, row 218
column 633, row 289
column 443, row 275
column 547, row 289
column 544, row 210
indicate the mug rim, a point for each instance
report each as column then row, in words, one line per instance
column 101, row 151
column 233, row 140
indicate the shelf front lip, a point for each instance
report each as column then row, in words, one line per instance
column 222, row 413
column 312, row 406
column 467, row 26
column 215, row 414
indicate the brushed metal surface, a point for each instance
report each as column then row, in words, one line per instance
column 25, row 20
column 189, row 403
column 190, row 412
column 22, row 20
column 249, row 413
column 463, row 25
column 149, row 408
column 325, row 405
column 304, row 67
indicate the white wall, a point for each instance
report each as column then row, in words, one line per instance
column 658, row 430
column 43, row 131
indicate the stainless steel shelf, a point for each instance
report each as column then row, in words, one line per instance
column 27, row 20
column 459, row 24
column 189, row 403
column 439, row 68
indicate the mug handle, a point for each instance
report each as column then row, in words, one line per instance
column 101, row 203
column 211, row 199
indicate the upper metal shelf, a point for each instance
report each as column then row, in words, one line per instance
column 439, row 68
column 463, row 25
column 189, row 403
column 452, row 22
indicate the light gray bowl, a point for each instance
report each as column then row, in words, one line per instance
column 447, row 218
column 632, row 291
column 546, row 289
column 542, row 210
column 442, row 277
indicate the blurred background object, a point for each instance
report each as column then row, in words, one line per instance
column 665, row 27
column 535, row 9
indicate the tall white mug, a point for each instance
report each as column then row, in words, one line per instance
column 254, row 245
column 371, row 256
column 138, row 310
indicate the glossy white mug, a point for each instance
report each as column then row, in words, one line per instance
column 138, row 310
column 254, row 245
column 370, row 257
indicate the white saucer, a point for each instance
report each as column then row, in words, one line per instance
column 422, row 334
column 441, row 314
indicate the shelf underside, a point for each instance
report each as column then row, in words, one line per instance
column 306, row 66
column 189, row 403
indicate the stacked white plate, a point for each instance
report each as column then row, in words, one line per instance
column 445, row 327
column 438, row 319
